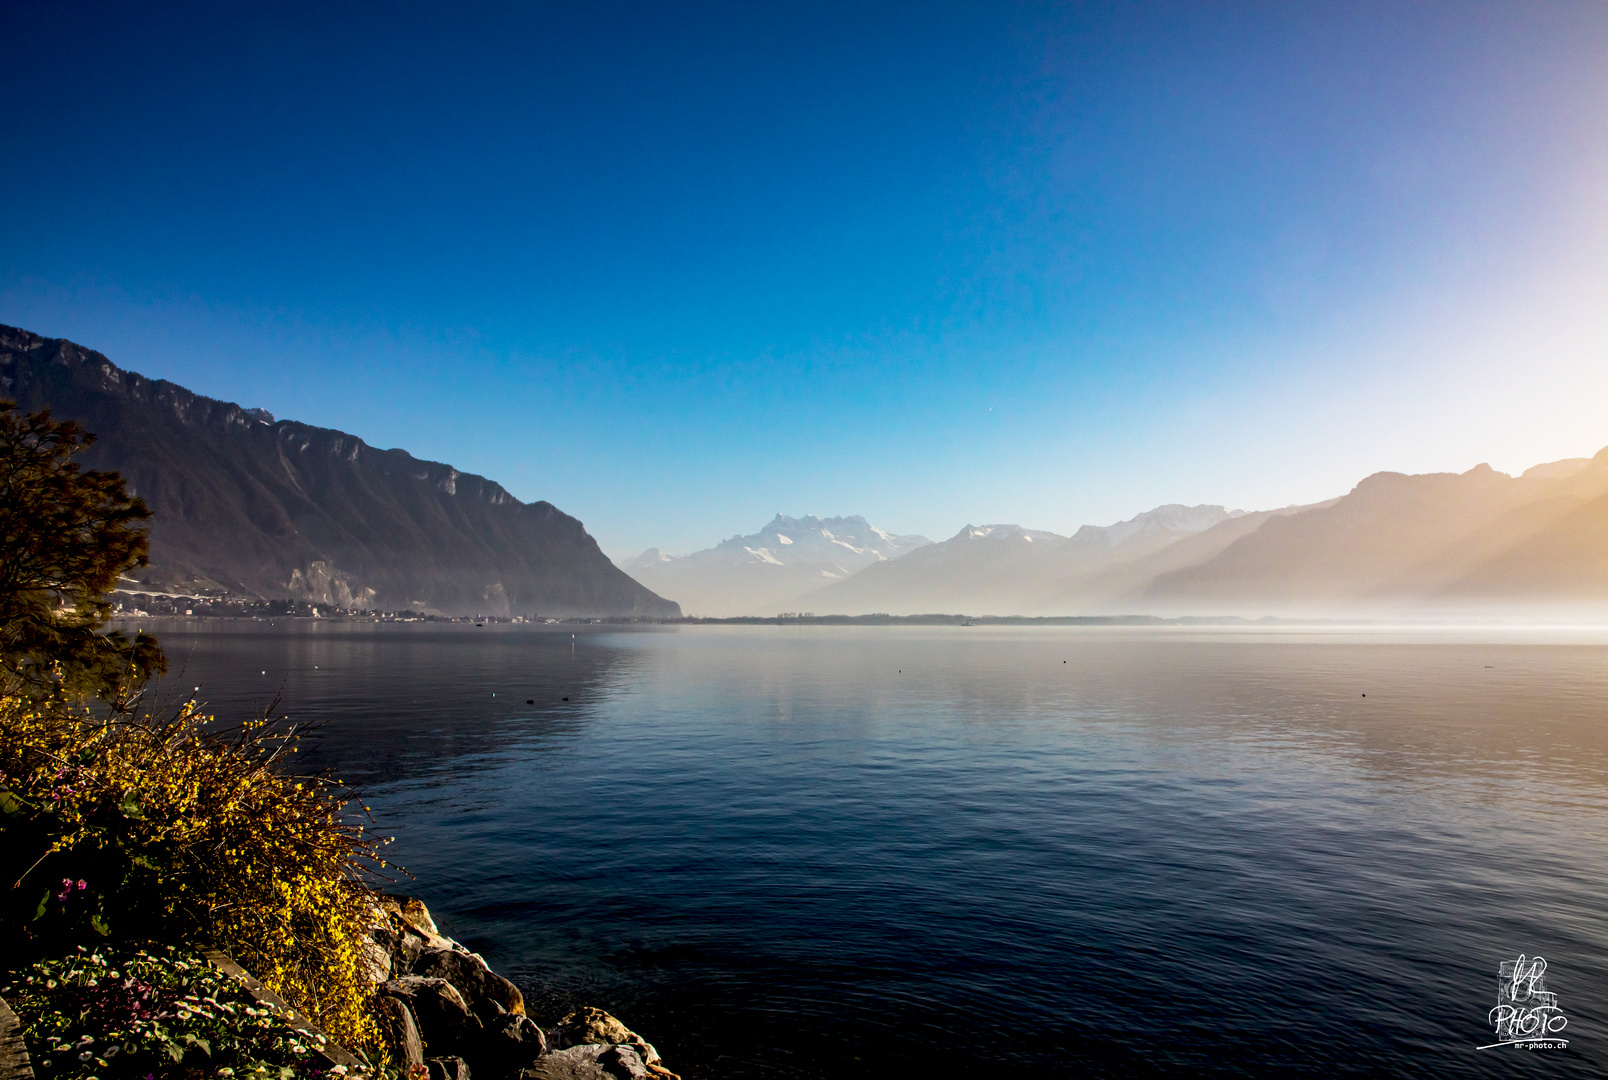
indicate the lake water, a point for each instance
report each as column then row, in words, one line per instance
column 846, row 852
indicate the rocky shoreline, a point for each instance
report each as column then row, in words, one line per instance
column 443, row 1012
column 446, row 1013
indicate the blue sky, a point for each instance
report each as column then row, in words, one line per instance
column 676, row 268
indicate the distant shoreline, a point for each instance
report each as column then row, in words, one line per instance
column 935, row 619
column 1002, row 620
column 180, row 607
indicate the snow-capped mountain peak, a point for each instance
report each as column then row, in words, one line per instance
column 768, row 571
column 1007, row 534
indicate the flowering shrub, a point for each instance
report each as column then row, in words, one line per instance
column 134, row 1012
column 156, row 826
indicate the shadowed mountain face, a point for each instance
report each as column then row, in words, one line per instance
column 251, row 506
column 769, row 571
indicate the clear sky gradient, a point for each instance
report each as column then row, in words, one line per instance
column 677, row 267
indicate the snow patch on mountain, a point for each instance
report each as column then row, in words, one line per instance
column 767, row 571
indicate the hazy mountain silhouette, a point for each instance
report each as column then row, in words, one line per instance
column 1441, row 544
column 279, row 509
column 1118, row 586
column 769, row 571
column 1006, row 569
column 1403, row 544
column 980, row 570
column 1563, row 561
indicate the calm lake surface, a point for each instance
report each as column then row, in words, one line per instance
column 843, row 852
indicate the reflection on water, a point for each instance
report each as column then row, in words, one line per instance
column 392, row 701
column 988, row 851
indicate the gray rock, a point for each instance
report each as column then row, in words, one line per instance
column 376, row 960
column 409, row 944
column 575, row 1063
column 383, row 934
column 479, row 986
column 589, row 1026
column 624, row 1062
column 414, row 911
column 589, row 1062
column 452, row 1068
column 444, row 1019
column 510, row 1043
column 401, row 1031
column 401, row 941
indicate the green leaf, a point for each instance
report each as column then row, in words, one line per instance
column 130, row 806
column 11, row 805
column 44, row 902
column 99, row 926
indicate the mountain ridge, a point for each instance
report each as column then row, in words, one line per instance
column 1008, row 569
column 1398, row 542
column 267, row 508
column 1396, row 545
column 250, row 505
column 770, row 570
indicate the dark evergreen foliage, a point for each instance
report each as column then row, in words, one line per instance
column 66, row 536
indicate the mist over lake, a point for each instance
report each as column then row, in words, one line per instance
column 829, row 851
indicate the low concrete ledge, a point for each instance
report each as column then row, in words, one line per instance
column 14, row 1063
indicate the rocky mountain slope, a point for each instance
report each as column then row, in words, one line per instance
column 769, row 571
column 272, row 509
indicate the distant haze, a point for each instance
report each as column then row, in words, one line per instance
column 770, row 570
column 1436, row 546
